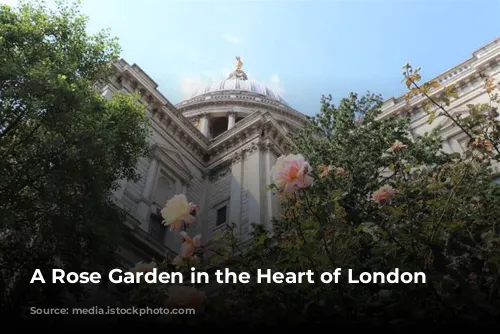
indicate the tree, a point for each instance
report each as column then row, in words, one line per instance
column 62, row 149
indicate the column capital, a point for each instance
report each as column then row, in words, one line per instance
column 237, row 157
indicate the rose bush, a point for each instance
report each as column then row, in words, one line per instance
column 366, row 196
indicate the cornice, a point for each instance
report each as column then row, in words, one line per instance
column 138, row 81
column 482, row 60
column 190, row 149
column 470, row 95
column 260, row 145
column 240, row 98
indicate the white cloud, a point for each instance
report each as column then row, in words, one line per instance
column 275, row 84
column 189, row 85
column 232, row 38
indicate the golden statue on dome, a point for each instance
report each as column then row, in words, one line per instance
column 238, row 74
column 239, row 64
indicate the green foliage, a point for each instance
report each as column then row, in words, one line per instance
column 62, row 148
column 440, row 218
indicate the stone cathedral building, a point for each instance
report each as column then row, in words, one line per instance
column 218, row 147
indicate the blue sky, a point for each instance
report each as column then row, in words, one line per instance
column 302, row 49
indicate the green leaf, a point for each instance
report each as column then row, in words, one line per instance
column 432, row 117
column 360, row 228
column 495, row 259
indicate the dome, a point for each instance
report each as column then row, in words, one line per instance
column 241, row 86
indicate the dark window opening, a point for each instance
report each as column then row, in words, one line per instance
column 221, row 215
column 238, row 119
column 156, row 228
column 218, row 126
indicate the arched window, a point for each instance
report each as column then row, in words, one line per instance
column 164, row 190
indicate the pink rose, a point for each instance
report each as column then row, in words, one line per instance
column 397, row 146
column 189, row 245
column 291, row 173
column 340, row 171
column 384, row 194
column 325, row 170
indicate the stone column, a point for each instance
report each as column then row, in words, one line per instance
column 148, row 187
column 231, row 120
column 144, row 206
column 202, row 222
column 273, row 208
column 236, row 192
column 204, row 124
column 254, row 190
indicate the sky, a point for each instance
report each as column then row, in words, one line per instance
column 301, row 49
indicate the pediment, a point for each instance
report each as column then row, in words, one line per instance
column 172, row 160
column 259, row 130
column 256, row 123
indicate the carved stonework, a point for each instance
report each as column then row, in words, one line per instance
column 264, row 147
column 237, row 157
column 253, row 147
column 274, row 150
